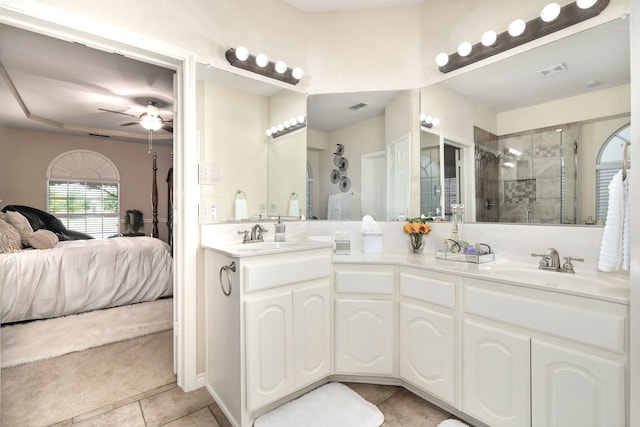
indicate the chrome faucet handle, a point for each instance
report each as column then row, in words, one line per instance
column 245, row 233
column 544, row 262
column 568, row 266
column 261, row 230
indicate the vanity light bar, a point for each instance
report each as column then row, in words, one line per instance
column 570, row 14
column 260, row 64
column 287, row 126
column 428, row 121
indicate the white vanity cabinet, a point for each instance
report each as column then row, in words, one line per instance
column 365, row 324
column 427, row 331
column 271, row 336
column 538, row 358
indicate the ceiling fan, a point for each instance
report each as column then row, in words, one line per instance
column 149, row 120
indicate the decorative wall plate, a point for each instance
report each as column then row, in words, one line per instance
column 345, row 184
column 339, row 149
column 337, row 159
column 344, row 165
column 335, row 176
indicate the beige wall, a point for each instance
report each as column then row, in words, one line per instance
column 25, row 157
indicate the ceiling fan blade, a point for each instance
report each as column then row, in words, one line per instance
column 167, row 127
column 117, row 112
column 129, row 124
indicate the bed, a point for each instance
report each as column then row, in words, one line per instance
column 48, row 273
column 83, row 275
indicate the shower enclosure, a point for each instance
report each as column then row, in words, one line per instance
column 527, row 177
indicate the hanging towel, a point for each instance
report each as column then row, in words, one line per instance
column 241, row 209
column 294, row 207
column 339, row 206
column 614, row 249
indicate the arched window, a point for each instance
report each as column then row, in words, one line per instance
column 83, row 192
column 608, row 163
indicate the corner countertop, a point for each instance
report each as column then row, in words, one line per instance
column 610, row 287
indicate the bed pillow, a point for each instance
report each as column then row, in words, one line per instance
column 20, row 223
column 42, row 239
column 9, row 238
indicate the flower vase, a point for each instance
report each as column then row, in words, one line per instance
column 416, row 243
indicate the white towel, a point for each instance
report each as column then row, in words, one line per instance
column 294, row 207
column 339, row 206
column 614, row 249
column 241, row 209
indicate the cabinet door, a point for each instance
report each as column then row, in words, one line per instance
column 575, row 389
column 364, row 334
column 312, row 333
column 269, row 349
column 427, row 350
column 495, row 375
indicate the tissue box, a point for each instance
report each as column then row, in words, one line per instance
column 372, row 242
column 343, row 247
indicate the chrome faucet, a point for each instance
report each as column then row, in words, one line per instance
column 551, row 261
column 255, row 235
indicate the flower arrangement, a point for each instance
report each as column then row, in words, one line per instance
column 416, row 228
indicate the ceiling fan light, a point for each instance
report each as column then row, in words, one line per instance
column 550, row 12
column 151, row 122
column 585, row 4
column 152, row 109
column 517, row 27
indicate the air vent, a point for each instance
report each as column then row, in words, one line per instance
column 554, row 69
column 358, row 106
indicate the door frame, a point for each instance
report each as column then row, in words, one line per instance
column 53, row 22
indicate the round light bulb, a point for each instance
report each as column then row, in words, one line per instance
column 300, row 119
column 517, row 27
column 550, row 12
column 262, row 60
column 287, row 124
column 423, row 117
column 442, row 59
column 280, row 128
column 428, row 119
column 274, row 129
column 464, row 49
column 297, row 73
column 281, row 67
column 242, row 53
column 488, row 38
column 585, row 4
column 268, row 132
column 436, row 121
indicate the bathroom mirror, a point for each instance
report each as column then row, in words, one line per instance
column 240, row 164
column 365, row 139
column 531, row 126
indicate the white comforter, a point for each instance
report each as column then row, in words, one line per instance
column 83, row 275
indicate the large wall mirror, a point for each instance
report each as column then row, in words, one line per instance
column 519, row 139
column 247, row 175
column 360, row 148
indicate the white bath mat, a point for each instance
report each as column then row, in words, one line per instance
column 43, row 339
column 333, row 404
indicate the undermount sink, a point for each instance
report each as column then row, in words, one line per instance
column 557, row 278
column 266, row 246
column 270, row 247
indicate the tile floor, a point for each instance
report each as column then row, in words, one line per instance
column 170, row 406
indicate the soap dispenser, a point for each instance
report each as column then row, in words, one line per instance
column 280, row 231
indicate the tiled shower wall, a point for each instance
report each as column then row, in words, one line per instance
column 540, row 187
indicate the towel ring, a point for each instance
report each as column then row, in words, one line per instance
column 240, row 192
column 226, row 268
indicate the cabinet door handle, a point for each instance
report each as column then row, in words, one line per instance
column 226, row 268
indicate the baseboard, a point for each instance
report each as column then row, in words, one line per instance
column 201, row 380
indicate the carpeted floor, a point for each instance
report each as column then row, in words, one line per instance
column 49, row 391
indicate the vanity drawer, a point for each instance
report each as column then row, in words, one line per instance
column 365, row 282
column 597, row 323
column 436, row 290
column 271, row 271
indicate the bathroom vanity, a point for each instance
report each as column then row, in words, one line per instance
column 496, row 344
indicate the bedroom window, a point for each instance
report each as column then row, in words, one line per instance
column 83, row 192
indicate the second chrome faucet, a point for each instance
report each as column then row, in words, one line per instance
column 551, row 261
